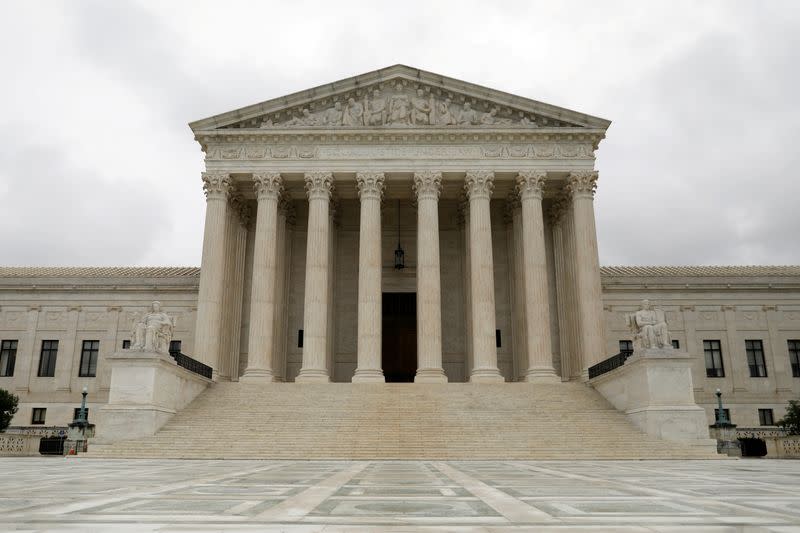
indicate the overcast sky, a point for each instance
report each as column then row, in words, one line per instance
column 98, row 166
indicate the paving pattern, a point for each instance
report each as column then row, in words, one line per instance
column 87, row 495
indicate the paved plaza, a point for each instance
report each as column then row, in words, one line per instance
column 55, row 494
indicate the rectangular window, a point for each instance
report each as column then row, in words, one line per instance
column 724, row 410
column 38, row 415
column 765, row 417
column 676, row 344
column 713, row 352
column 126, row 344
column 89, row 353
column 626, row 346
column 299, row 338
column 47, row 359
column 755, row 358
column 498, row 340
column 794, row 357
column 77, row 411
column 8, row 358
column 174, row 347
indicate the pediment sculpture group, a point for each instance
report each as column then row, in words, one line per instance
column 649, row 328
column 400, row 109
column 152, row 331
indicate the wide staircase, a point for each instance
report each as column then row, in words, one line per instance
column 400, row 421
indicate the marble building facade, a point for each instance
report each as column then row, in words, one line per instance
column 490, row 198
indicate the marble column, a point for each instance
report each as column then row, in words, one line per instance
column 319, row 186
column 427, row 187
column 243, row 216
column 556, row 213
column 479, row 185
column 279, row 338
column 463, row 222
column 370, row 191
column 581, row 185
column 224, row 371
column 217, row 188
column 520, row 336
column 268, row 187
column 576, row 364
column 530, row 185
column 26, row 352
column 68, row 352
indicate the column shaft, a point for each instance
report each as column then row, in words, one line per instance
column 370, row 191
column 315, row 310
column 427, row 186
column 576, row 365
column 242, row 221
column 520, row 334
column 537, row 302
column 468, row 355
column 560, row 266
column 268, row 187
column 582, row 185
column 278, row 338
column 209, row 300
column 479, row 185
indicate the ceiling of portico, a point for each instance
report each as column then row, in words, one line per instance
column 396, row 98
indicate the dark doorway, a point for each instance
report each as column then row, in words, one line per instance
column 753, row 447
column 399, row 350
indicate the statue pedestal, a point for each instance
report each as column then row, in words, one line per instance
column 654, row 389
column 147, row 389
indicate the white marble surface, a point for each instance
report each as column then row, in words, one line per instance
column 55, row 494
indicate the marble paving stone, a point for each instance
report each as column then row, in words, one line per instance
column 88, row 495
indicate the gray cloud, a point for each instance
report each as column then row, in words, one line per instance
column 697, row 166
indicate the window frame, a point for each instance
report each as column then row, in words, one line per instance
column 762, row 417
column 126, row 344
column 628, row 346
column 77, row 410
column 793, row 345
column 676, row 344
column 712, row 347
column 755, row 348
column 51, row 349
column 8, row 357
column 38, row 421
column 89, row 357
column 725, row 410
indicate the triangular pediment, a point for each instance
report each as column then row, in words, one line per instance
column 399, row 97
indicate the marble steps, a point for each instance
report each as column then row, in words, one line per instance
column 400, row 421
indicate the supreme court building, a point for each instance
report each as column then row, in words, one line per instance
column 402, row 226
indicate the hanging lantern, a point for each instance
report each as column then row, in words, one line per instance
column 399, row 254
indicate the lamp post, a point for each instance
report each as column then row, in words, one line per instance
column 82, row 413
column 721, row 418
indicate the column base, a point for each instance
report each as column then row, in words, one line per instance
column 257, row 375
column 430, row 375
column 312, row 375
column 486, row 375
column 368, row 375
column 542, row 375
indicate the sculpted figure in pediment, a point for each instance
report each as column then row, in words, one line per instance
column 421, row 108
column 399, row 109
column 443, row 115
column 375, row 109
column 333, row 116
column 353, row 113
column 468, row 116
column 487, row 119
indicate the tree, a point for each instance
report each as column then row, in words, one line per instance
column 8, row 406
column 792, row 419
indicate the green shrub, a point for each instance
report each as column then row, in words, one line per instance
column 792, row 419
column 8, row 406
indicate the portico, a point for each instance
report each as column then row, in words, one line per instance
column 490, row 195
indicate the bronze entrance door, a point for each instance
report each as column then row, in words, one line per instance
column 399, row 350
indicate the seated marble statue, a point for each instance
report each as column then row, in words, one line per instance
column 649, row 327
column 152, row 332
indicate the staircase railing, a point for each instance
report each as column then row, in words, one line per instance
column 615, row 361
column 192, row 365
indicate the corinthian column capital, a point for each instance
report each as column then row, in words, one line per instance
column 370, row 184
column 582, row 183
column 479, row 184
column 216, row 185
column 319, row 185
column 427, row 184
column 530, row 183
column 268, row 185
